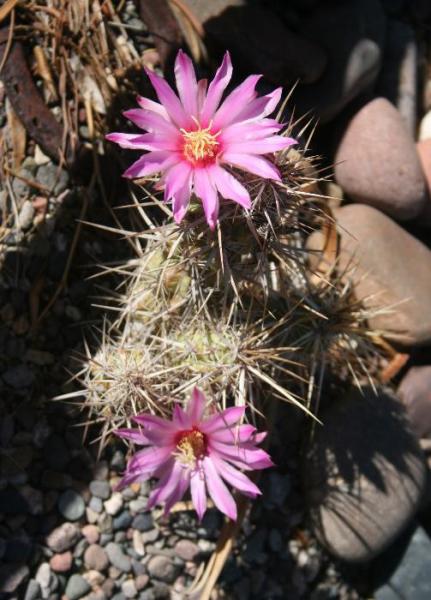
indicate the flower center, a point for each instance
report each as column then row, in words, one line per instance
column 200, row 146
column 191, row 445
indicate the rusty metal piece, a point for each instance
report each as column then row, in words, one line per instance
column 164, row 27
column 27, row 102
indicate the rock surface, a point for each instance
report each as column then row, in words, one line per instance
column 411, row 579
column 392, row 271
column 364, row 475
column 377, row 164
column 415, row 392
column 354, row 54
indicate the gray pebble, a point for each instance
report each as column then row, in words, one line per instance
column 143, row 522
column 33, row 590
column 122, row 521
column 53, row 178
column 100, row 489
column 128, row 588
column 162, row 568
column 117, row 558
column 71, row 505
column 77, row 587
column 25, row 217
column 96, row 504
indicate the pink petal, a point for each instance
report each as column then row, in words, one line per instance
column 249, row 131
column 169, row 100
column 206, row 191
column 234, row 435
column 150, row 121
column 134, row 435
column 229, row 187
column 143, row 141
column 149, row 459
column 196, row 406
column 234, row 104
column 176, row 178
column 216, row 89
column 151, row 163
column 201, row 93
column 167, row 485
column 236, row 479
column 264, row 146
column 180, row 417
column 254, row 164
column 153, row 422
column 219, row 493
column 198, row 493
column 260, row 107
column 148, row 104
column 244, row 457
column 223, row 420
column 179, row 491
column 180, row 202
column 186, row 83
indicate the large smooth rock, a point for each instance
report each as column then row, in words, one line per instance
column 259, row 41
column 424, row 152
column 415, row 392
column 398, row 77
column 352, row 34
column 393, row 271
column 376, row 162
column 364, row 475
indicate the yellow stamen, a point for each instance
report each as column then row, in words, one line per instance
column 200, row 145
column 190, row 447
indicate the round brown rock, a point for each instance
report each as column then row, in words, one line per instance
column 95, row 558
column 393, row 272
column 377, row 163
column 364, row 475
column 415, row 392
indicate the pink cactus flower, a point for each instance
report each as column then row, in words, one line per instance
column 191, row 138
column 196, row 452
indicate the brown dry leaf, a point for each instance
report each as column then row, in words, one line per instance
column 45, row 72
column 18, row 136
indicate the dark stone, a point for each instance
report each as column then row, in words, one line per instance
column 100, row 489
column 56, row 452
column 12, row 576
column 18, row 550
column 143, row 522
column 364, row 475
column 122, row 521
column 12, row 503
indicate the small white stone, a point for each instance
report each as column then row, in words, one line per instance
column 425, row 127
column 114, row 504
column 128, row 588
column 138, row 544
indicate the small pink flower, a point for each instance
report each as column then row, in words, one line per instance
column 198, row 452
column 191, row 136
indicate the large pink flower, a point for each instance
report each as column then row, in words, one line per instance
column 191, row 136
column 198, row 452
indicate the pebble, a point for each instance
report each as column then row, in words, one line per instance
column 362, row 499
column 77, row 587
column 64, row 537
column 33, row 590
column 61, row 563
column 138, row 545
column 415, row 393
column 96, row 504
column 143, row 522
column 94, row 578
column 43, row 576
column 425, row 127
column 392, row 270
column 186, row 550
column 424, row 152
column 354, row 54
column 128, row 588
column 141, row 581
column 398, row 76
column 100, row 489
column 19, row 377
column 138, row 505
column 53, row 178
column 117, row 557
column 91, row 533
column 122, row 521
column 95, row 558
column 12, row 576
column 71, row 505
column 162, row 568
column 410, row 580
column 114, row 504
column 25, row 217
column 377, row 164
